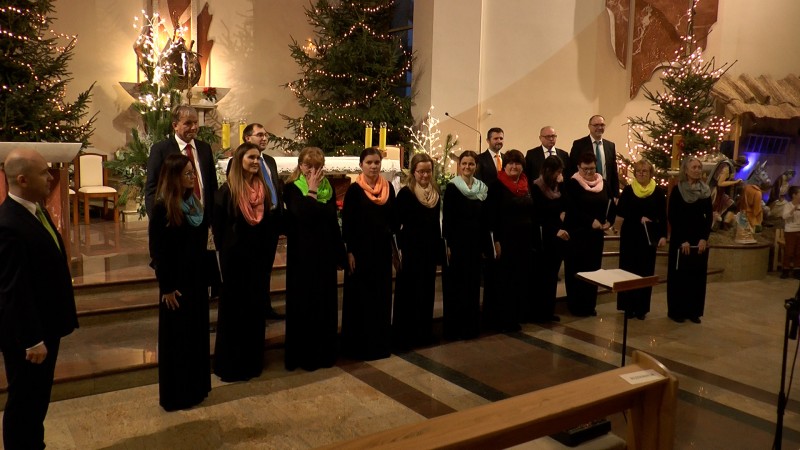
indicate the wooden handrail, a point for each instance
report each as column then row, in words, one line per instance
column 523, row 418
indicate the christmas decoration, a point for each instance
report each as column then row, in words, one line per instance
column 425, row 139
column 352, row 73
column 34, row 78
column 684, row 108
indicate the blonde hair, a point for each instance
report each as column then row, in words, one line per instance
column 312, row 156
column 236, row 179
column 412, row 167
column 645, row 162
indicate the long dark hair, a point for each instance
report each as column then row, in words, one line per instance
column 551, row 165
column 236, row 180
column 170, row 190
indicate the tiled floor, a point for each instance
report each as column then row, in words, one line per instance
column 728, row 367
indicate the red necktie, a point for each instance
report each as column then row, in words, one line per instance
column 190, row 154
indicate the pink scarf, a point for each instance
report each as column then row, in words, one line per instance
column 592, row 186
column 252, row 203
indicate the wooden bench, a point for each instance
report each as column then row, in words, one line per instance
column 513, row 421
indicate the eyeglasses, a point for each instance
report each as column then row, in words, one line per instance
column 598, row 125
column 550, row 136
column 190, row 174
column 259, row 135
column 424, row 172
column 588, row 169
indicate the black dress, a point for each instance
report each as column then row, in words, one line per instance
column 367, row 230
column 637, row 247
column 512, row 225
column 244, row 259
column 686, row 275
column 314, row 249
column 585, row 245
column 550, row 252
column 465, row 229
column 184, row 367
column 420, row 240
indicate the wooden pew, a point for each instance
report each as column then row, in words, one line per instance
column 650, row 406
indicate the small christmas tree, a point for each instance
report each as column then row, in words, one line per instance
column 352, row 73
column 684, row 108
column 34, row 77
column 425, row 139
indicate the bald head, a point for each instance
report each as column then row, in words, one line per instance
column 547, row 135
column 27, row 174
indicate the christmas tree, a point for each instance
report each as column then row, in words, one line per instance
column 685, row 108
column 34, row 77
column 353, row 72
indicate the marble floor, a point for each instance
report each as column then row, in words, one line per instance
column 728, row 368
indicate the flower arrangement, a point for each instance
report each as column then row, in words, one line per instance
column 210, row 94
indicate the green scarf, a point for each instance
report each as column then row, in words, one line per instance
column 643, row 191
column 324, row 190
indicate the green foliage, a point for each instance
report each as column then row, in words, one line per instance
column 130, row 165
column 34, row 76
column 351, row 74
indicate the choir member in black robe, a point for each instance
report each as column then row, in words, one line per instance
column 241, row 212
column 466, row 233
column 178, row 237
column 368, row 225
column 588, row 214
column 549, row 233
column 643, row 206
column 314, row 249
column 690, row 217
column 511, row 222
column 420, row 241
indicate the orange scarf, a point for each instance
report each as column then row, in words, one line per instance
column 252, row 203
column 380, row 194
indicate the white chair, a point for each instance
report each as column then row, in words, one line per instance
column 91, row 181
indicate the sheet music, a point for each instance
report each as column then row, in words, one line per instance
column 607, row 277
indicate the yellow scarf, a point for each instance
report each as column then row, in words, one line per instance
column 643, row 191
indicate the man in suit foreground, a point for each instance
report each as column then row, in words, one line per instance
column 37, row 306
column 256, row 134
column 536, row 156
column 491, row 161
column 604, row 150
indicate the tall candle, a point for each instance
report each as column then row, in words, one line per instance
column 677, row 151
column 226, row 134
column 368, row 135
column 382, row 137
column 242, row 125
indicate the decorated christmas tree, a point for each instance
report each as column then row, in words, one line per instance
column 34, row 78
column 353, row 72
column 685, row 108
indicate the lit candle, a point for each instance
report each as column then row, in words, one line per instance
column 242, row 125
column 368, row 135
column 677, row 151
column 226, row 134
column 382, row 137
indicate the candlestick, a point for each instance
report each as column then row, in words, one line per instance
column 226, row 134
column 242, row 125
column 368, row 135
column 382, row 137
column 677, row 151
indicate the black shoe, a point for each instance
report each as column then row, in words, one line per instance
column 641, row 316
column 593, row 313
column 274, row 315
column 677, row 319
column 555, row 318
column 630, row 314
column 785, row 274
column 695, row 319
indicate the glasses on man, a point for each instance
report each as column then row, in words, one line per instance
column 588, row 169
column 550, row 136
column 599, row 125
column 259, row 135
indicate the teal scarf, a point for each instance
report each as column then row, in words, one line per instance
column 324, row 190
column 479, row 189
column 192, row 211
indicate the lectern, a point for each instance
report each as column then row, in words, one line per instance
column 59, row 155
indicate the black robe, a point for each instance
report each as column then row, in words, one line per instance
column 637, row 253
column 466, row 231
column 686, row 283
column 585, row 245
column 550, row 252
column 184, row 365
column 314, row 249
column 244, row 259
column 511, row 223
column 420, row 240
column 367, row 230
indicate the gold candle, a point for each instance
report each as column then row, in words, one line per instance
column 677, row 151
column 368, row 135
column 242, row 125
column 382, row 137
column 226, row 134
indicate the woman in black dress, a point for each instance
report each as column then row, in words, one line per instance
column 643, row 205
column 368, row 224
column 690, row 216
column 420, row 241
column 548, row 206
column 511, row 222
column 466, row 235
column 241, row 212
column 588, row 214
column 178, row 239
column 314, row 249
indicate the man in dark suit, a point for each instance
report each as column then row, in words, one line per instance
column 604, row 150
column 490, row 161
column 536, row 156
column 37, row 307
column 256, row 134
